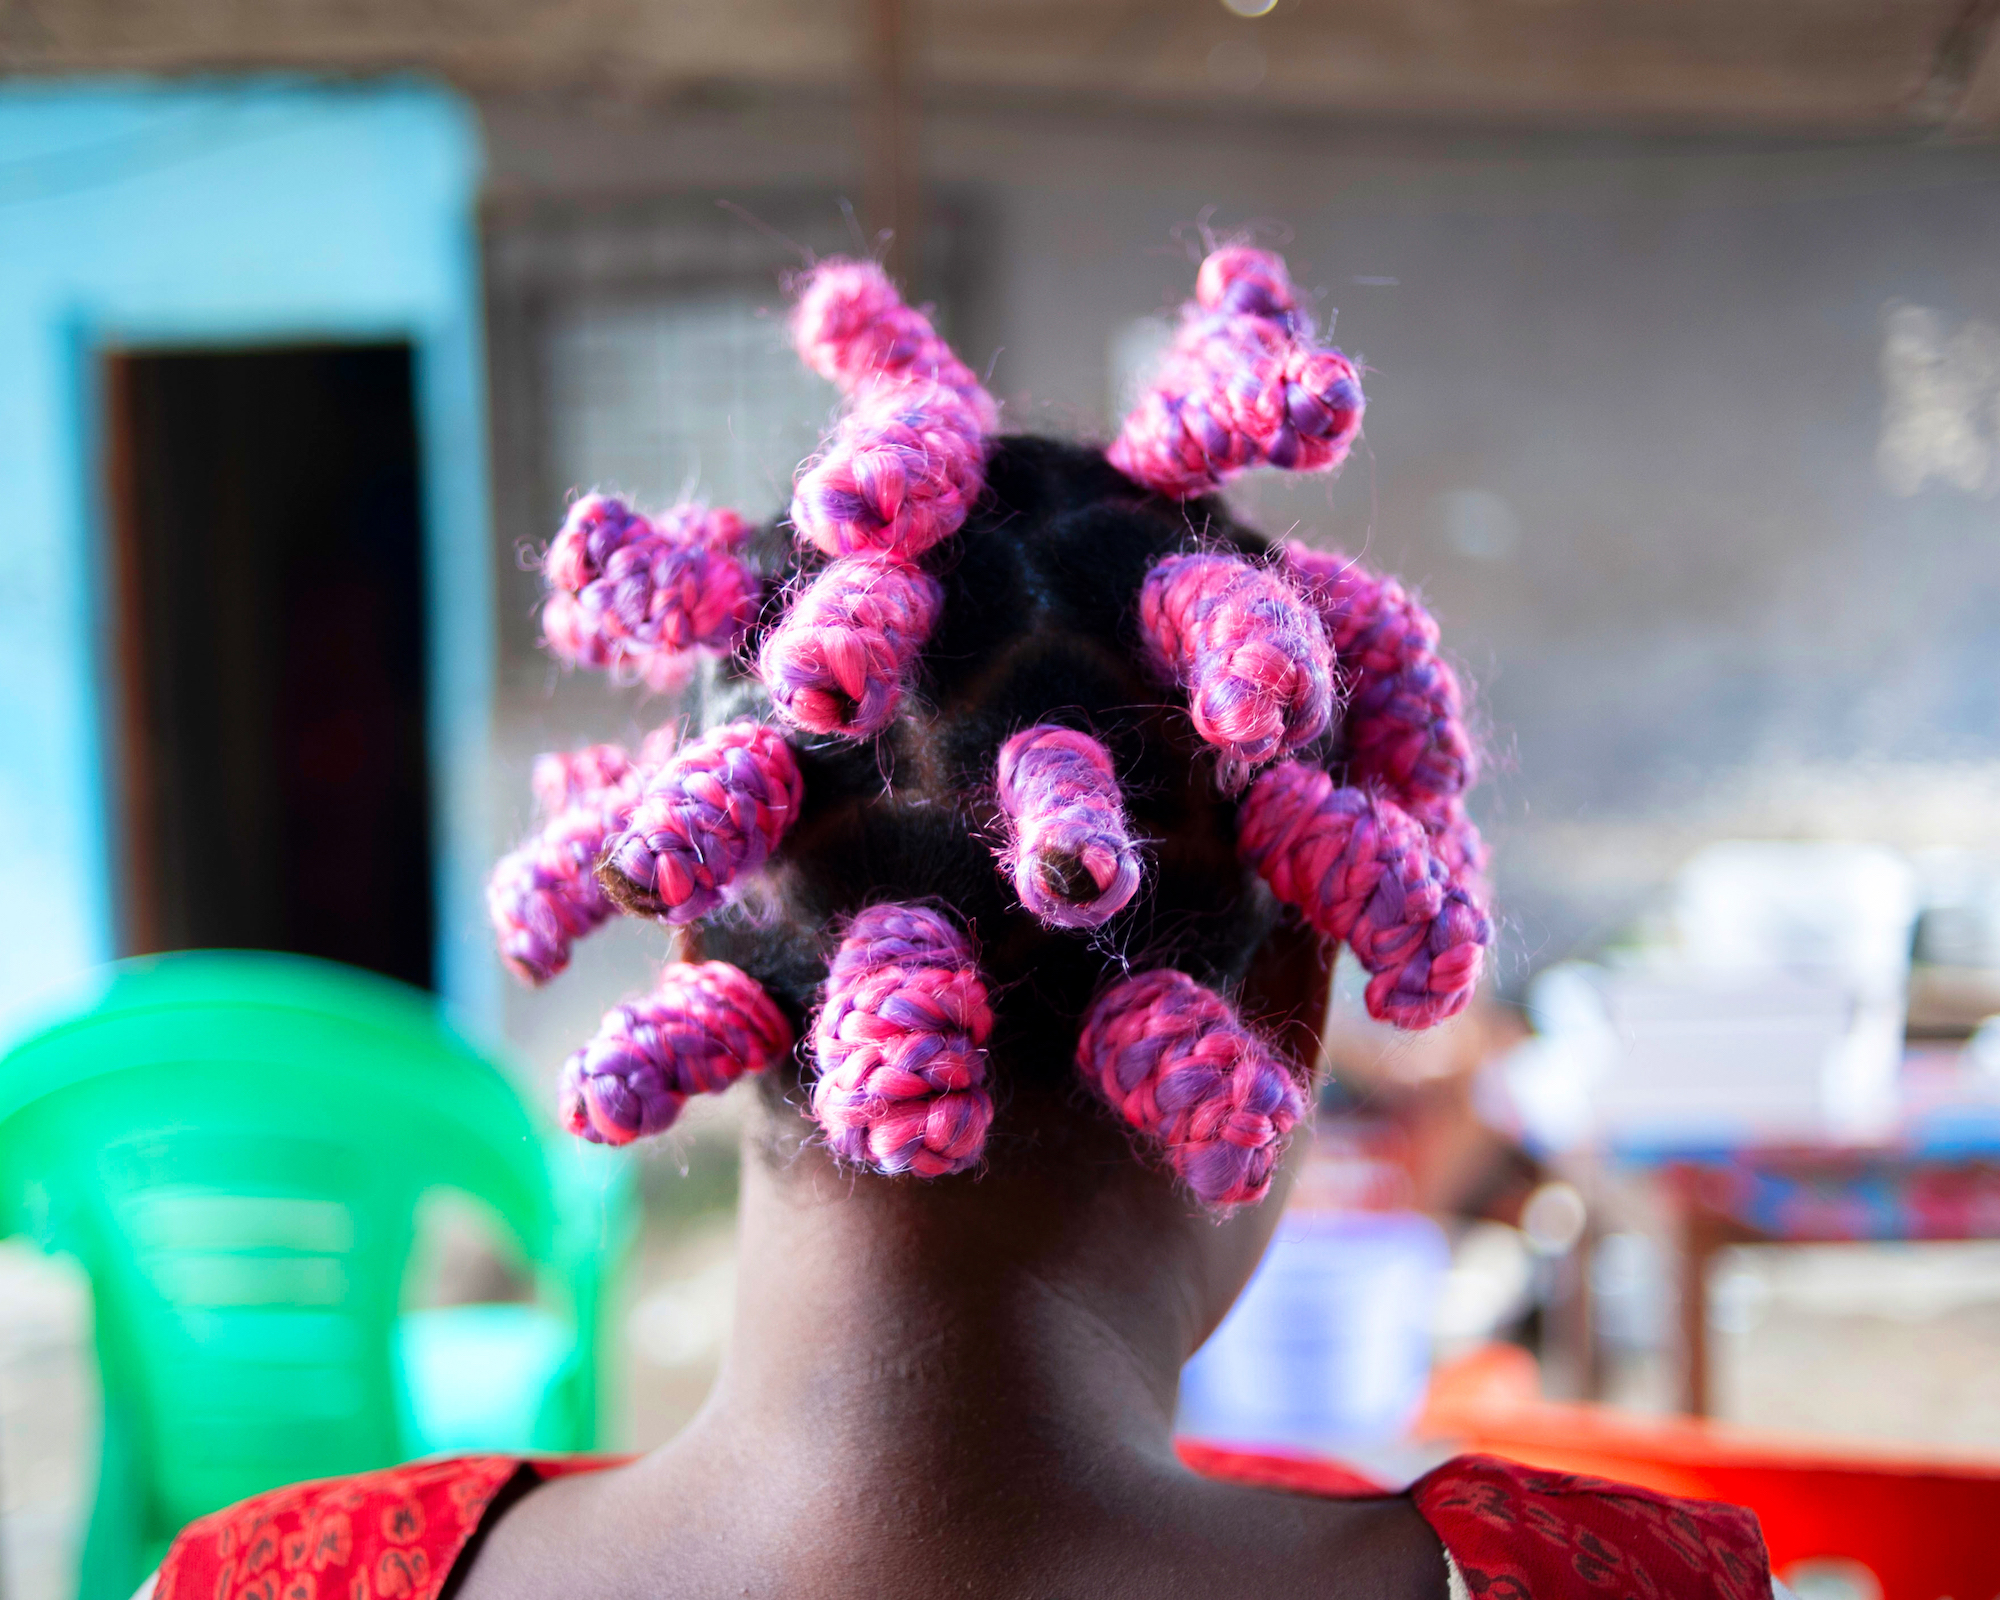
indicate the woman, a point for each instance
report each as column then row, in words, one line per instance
column 1033, row 826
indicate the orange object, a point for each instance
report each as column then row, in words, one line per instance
column 1924, row 1526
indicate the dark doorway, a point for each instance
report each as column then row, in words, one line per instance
column 270, row 640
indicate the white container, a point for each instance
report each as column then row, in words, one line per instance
column 1709, row 1059
column 1839, row 911
column 1331, row 1342
column 1777, row 1016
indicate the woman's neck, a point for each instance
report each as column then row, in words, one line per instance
column 946, row 1332
column 964, row 1387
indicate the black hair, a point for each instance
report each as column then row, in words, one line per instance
column 1039, row 625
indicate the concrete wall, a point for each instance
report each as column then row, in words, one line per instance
column 1628, row 404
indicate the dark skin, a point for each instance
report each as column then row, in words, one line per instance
column 966, row 1387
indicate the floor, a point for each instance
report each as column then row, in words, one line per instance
column 1795, row 1327
column 48, row 1402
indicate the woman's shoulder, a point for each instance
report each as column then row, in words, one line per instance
column 389, row 1535
column 399, row 1534
column 1519, row 1530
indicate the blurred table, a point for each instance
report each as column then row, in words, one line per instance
column 1935, row 1177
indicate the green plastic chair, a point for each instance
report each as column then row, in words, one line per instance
column 234, row 1146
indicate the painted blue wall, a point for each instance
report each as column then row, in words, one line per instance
column 229, row 212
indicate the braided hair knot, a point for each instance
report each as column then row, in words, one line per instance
column 544, row 895
column 1069, row 850
column 1251, row 654
column 900, row 1045
column 703, row 1026
column 837, row 660
column 851, row 327
column 1173, row 1059
column 636, row 595
column 1406, row 723
column 708, row 818
column 898, row 476
column 900, row 473
column 1242, row 385
column 1362, row 869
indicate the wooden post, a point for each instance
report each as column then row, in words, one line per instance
column 1698, row 1246
column 1576, row 1312
column 1704, row 1232
column 891, row 194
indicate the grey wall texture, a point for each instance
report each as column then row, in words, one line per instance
column 1692, row 446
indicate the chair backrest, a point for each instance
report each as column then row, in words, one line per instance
column 234, row 1144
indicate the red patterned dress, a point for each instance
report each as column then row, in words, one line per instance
column 1513, row 1532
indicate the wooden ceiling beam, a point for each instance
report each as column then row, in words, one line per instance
column 1807, row 66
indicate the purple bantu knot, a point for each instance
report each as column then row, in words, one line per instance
column 1242, row 385
column 837, row 660
column 1069, row 849
column 544, row 895
column 641, row 595
column 703, row 1026
column 852, row 328
column 1362, row 869
column 899, row 474
column 708, row 818
column 1406, row 722
column 1174, row 1060
column 900, row 1045
column 1250, row 653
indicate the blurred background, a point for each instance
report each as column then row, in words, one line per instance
column 1683, row 335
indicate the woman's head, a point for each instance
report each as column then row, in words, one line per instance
column 1001, row 787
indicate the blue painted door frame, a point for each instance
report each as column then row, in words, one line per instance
column 228, row 212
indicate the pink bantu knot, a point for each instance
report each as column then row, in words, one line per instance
column 1069, row 850
column 1363, row 870
column 703, row 1026
column 900, row 473
column 1242, row 385
column 639, row 595
column 1406, row 722
column 1249, row 651
column 1456, row 840
column 709, row 817
column 900, row 1045
column 1240, row 280
column 1175, row 1061
column 563, row 777
column 852, row 328
column 837, row 660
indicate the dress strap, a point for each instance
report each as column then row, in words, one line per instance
column 389, row 1535
column 1520, row 1531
